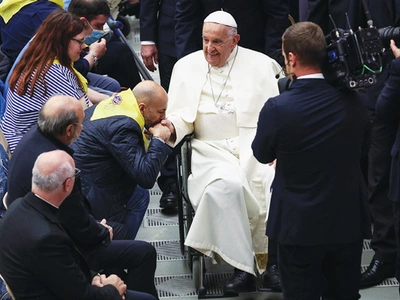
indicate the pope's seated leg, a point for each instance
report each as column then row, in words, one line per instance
column 220, row 228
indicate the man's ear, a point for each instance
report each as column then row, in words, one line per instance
column 142, row 107
column 69, row 130
column 292, row 59
column 69, row 185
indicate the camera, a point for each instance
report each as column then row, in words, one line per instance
column 354, row 60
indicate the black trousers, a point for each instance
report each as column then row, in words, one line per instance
column 306, row 271
column 137, row 257
column 383, row 240
column 165, row 65
column 118, row 63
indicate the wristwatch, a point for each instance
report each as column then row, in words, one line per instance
column 95, row 58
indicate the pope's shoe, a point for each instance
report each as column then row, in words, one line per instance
column 240, row 282
column 376, row 272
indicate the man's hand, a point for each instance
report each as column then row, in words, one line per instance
column 98, row 48
column 160, row 131
column 150, row 56
column 395, row 50
column 103, row 222
column 169, row 124
column 97, row 281
column 273, row 164
column 116, row 282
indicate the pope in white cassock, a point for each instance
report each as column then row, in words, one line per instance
column 218, row 93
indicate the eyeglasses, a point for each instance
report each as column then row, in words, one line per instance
column 76, row 175
column 80, row 42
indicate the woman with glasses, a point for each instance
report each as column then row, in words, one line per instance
column 45, row 69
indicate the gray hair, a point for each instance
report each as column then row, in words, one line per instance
column 53, row 181
column 232, row 31
column 55, row 124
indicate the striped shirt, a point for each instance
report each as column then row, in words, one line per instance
column 21, row 112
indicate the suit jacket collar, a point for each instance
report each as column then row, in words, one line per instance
column 60, row 145
column 42, row 207
column 307, row 83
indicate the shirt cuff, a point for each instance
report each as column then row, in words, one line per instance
column 158, row 138
column 146, row 43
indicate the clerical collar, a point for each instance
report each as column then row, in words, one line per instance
column 46, row 201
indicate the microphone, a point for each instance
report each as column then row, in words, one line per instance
column 281, row 71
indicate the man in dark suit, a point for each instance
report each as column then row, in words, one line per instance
column 388, row 110
column 318, row 135
column 157, row 35
column 383, row 241
column 59, row 124
column 45, row 264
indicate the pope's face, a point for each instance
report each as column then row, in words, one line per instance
column 218, row 43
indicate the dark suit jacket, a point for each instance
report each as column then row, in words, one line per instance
column 261, row 23
column 157, row 24
column 38, row 259
column 318, row 135
column 82, row 227
column 388, row 110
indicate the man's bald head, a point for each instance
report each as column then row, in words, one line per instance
column 50, row 170
column 59, row 112
column 149, row 91
column 152, row 100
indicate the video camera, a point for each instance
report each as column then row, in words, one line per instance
column 354, row 60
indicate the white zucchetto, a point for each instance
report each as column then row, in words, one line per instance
column 221, row 17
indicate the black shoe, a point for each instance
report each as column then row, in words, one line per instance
column 272, row 279
column 240, row 282
column 376, row 272
column 169, row 198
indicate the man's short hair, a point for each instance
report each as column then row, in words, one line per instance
column 307, row 41
column 55, row 124
column 89, row 9
column 53, row 181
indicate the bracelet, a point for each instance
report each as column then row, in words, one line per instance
column 95, row 58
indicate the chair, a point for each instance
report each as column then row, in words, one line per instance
column 185, row 214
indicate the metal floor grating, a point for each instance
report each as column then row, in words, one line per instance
column 155, row 192
column 367, row 245
column 154, row 218
column 182, row 285
column 388, row 282
column 168, row 250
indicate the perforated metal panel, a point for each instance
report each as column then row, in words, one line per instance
column 168, row 250
column 155, row 218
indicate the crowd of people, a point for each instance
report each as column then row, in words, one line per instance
column 298, row 175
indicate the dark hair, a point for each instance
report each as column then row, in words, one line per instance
column 89, row 9
column 307, row 41
column 50, row 42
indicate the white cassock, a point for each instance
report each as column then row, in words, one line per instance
column 228, row 188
